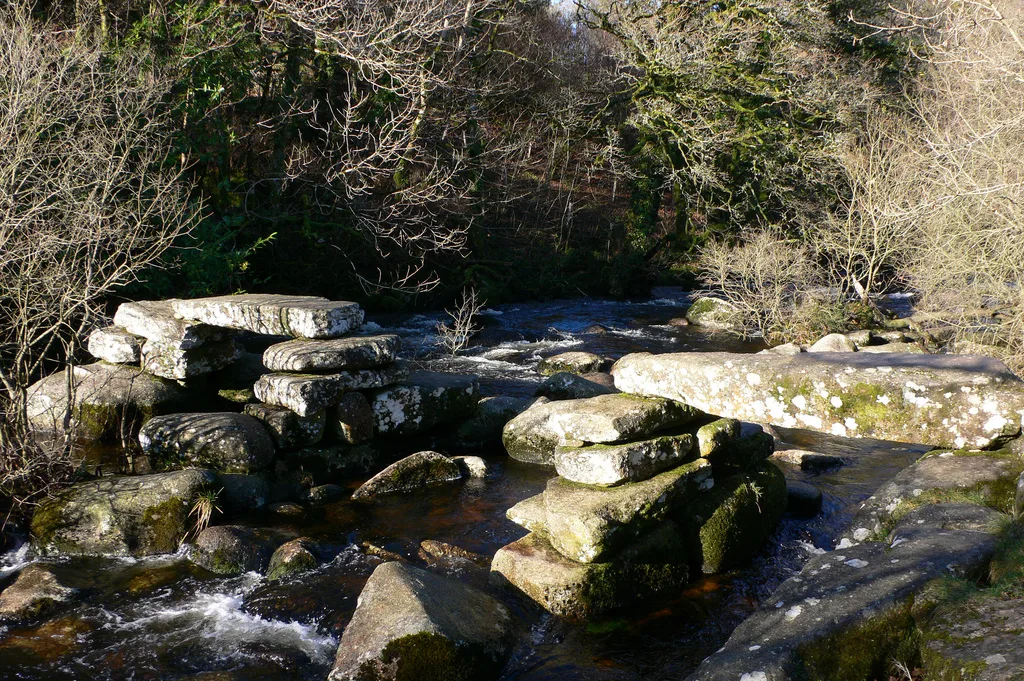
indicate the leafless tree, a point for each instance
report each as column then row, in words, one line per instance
column 454, row 337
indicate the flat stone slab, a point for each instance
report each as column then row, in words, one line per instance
column 413, row 472
column 931, row 399
column 985, row 635
column 115, row 345
column 400, row 602
column 846, row 587
column 533, row 435
column 169, row 361
column 307, row 394
column 226, row 442
column 156, row 320
column 135, row 515
column 325, row 356
column 270, row 314
column 588, row 524
column 424, row 400
column 608, row 465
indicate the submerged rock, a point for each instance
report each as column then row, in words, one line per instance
column 104, row 400
column 36, row 592
column 287, row 429
column 608, row 465
column 412, row 472
column 573, row 363
column 307, row 394
column 589, row 524
column 226, row 442
column 533, row 435
column 233, row 549
column 425, row 400
column 653, row 564
column 324, row 356
column 413, row 624
column 115, row 345
column 269, row 314
column 932, row 399
column 566, row 386
column 136, row 515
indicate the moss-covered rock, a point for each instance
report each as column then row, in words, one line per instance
column 578, row 363
column 615, row 464
column 727, row 525
column 413, row 472
column 714, row 437
column 297, row 555
column 287, row 429
column 233, row 549
column 36, row 592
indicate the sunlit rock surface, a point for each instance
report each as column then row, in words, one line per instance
column 271, row 314
column 318, row 356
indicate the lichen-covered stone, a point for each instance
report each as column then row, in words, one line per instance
column 287, row 429
column 410, row 624
column 566, row 386
column 573, row 363
column 137, row 515
column 326, row 356
column 727, row 525
column 714, row 437
column 351, row 420
column 614, row 464
column 105, row 401
column 589, row 524
column 714, row 313
column 157, row 321
column 533, row 435
column 300, row 316
column 307, row 394
column 413, row 472
column 530, row 513
column 168, row 361
column 115, row 345
column 979, row 641
column 226, row 442
column 36, row 592
column 297, row 555
column 233, row 549
column 654, row 564
column 425, row 400
column 491, row 415
column 931, row 399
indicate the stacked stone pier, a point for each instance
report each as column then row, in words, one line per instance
column 648, row 492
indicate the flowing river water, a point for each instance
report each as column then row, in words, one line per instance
column 162, row 618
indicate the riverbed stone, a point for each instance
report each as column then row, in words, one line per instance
column 287, row 429
column 136, row 515
column 307, row 394
column 115, row 345
column 530, row 513
column 833, row 342
column 234, row 549
column 714, row 313
column 931, row 399
column 242, row 493
column 36, row 592
column 472, row 466
column 336, row 463
column 156, row 320
column 802, row 499
column 413, row 472
column 809, row 461
column 911, row 348
column 167, row 361
column 573, row 363
column 713, row 438
column 840, row 590
column 566, row 386
column 326, row 356
column 225, row 441
column 533, row 435
column 653, row 564
column 589, row 524
column 292, row 557
column 425, row 400
column 272, row 314
column 410, row 623
column 491, row 415
column 106, row 401
column 615, row 464
column 727, row 525
column 351, row 420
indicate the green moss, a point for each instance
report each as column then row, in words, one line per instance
column 163, row 526
column 426, row 656
column 223, row 562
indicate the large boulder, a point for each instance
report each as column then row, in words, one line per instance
column 136, row 515
column 533, row 435
column 226, row 442
column 589, row 524
column 270, row 314
column 653, row 564
column 36, row 592
column 101, row 400
column 411, row 624
column 114, row 345
column 413, row 472
column 307, row 394
column 932, row 399
column 320, row 356
column 287, row 429
column 607, row 465
column 573, row 363
column 426, row 399
column 233, row 549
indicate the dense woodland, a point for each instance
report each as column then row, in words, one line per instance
column 795, row 157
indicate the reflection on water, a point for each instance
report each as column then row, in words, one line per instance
column 164, row 619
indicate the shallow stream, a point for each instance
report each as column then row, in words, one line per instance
column 163, row 619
